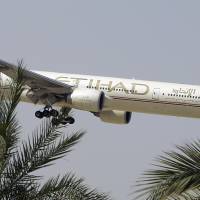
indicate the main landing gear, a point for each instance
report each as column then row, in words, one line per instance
column 63, row 121
column 47, row 112
column 61, row 117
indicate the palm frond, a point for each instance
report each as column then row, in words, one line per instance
column 38, row 153
column 9, row 126
column 177, row 175
column 68, row 187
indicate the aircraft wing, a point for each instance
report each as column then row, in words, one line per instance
column 36, row 81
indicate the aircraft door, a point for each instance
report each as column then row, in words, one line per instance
column 156, row 93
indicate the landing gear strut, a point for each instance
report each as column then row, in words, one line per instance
column 61, row 117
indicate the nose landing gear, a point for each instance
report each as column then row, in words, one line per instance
column 61, row 117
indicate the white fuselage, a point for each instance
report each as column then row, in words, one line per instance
column 137, row 95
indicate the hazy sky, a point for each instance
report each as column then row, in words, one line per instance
column 152, row 40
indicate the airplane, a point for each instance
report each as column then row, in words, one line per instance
column 111, row 99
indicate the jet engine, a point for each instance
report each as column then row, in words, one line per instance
column 115, row 116
column 88, row 100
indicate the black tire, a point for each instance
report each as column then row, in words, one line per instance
column 46, row 113
column 39, row 114
column 54, row 113
column 70, row 120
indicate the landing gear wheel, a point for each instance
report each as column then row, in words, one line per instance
column 46, row 113
column 61, row 117
column 69, row 120
column 54, row 113
column 39, row 114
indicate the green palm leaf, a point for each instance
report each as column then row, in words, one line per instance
column 9, row 125
column 176, row 175
column 68, row 187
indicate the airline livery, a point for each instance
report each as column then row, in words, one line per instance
column 111, row 99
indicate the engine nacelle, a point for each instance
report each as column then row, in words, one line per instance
column 115, row 117
column 86, row 99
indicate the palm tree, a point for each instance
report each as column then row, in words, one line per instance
column 176, row 175
column 19, row 161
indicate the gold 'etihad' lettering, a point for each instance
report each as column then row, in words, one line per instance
column 91, row 83
column 121, row 86
column 108, row 85
column 140, row 89
column 136, row 88
column 77, row 80
column 98, row 84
